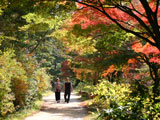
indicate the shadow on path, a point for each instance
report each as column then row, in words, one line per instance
column 60, row 111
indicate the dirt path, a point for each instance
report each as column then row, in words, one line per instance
column 60, row 111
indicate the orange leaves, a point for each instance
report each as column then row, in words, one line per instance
column 152, row 52
column 146, row 49
column 111, row 69
column 20, row 87
column 149, row 49
column 118, row 14
column 79, row 71
column 65, row 68
column 155, row 60
column 132, row 61
column 30, row 54
column 81, row 59
column 137, row 46
column 27, row 41
column 89, row 17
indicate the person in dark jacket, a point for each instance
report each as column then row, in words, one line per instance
column 57, row 88
column 67, row 90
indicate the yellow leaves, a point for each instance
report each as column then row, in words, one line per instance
column 6, row 63
column 37, row 22
column 74, row 42
column 106, row 92
column 20, row 88
column 78, row 72
column 9, row 107
column 19, row 81
column 42, row 80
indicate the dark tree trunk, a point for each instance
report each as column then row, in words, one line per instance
column 55, row 64
column 96, row 77
column 156, row 84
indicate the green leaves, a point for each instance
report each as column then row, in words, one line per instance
column 111, row 92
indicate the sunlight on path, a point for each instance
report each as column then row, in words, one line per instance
column 60, row 111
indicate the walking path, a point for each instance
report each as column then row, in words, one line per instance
column 60, row 111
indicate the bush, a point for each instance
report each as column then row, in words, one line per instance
column 85, row 89
column 21, row 82
column 116, row 101
column 30, row 89
column 109, row 95
column 6, row 72
column 43, row 80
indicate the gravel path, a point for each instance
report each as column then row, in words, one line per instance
column 60, row 111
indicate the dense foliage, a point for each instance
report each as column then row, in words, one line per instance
column 121, row 45
column 27, row 52
column 110, row 46
column 21, row 82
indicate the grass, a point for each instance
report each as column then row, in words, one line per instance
column 90, row 117
column 92, row 112
column 21, row 114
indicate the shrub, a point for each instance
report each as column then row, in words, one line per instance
column 43, row 80
column 6, row 72
column 117, row 101
column 85, row 89
column 111, row 94
column 111, row 97
column 21, row 82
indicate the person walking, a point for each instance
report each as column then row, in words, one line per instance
column 67, row 90
column 57, row 88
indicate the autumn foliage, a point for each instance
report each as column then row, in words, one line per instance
column 150, row 51
column 19, row 85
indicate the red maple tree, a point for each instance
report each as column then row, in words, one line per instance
column 139, row 17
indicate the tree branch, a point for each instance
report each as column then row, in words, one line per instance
column 157, row 6
column 122, row 27
column 129, row 12
column 38, row 42
column 152, row 18
column 134, row 9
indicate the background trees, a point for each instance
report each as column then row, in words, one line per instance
column 27, row 52
column 138, row 17
column 110, row 31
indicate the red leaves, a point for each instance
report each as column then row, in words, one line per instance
column 65, row 69
column 110, row 70
column 152, row 52
column 89, row 17
column 155, row 59
column 130, row 61
column 137, row 46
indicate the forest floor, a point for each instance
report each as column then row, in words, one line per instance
column 51, row 110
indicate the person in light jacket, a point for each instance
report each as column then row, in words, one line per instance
column 57, row 89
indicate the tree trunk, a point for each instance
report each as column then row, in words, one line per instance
column 55, row 64
column 156, row 84
column 95, row 79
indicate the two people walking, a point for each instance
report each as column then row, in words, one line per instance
column 67, row 90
